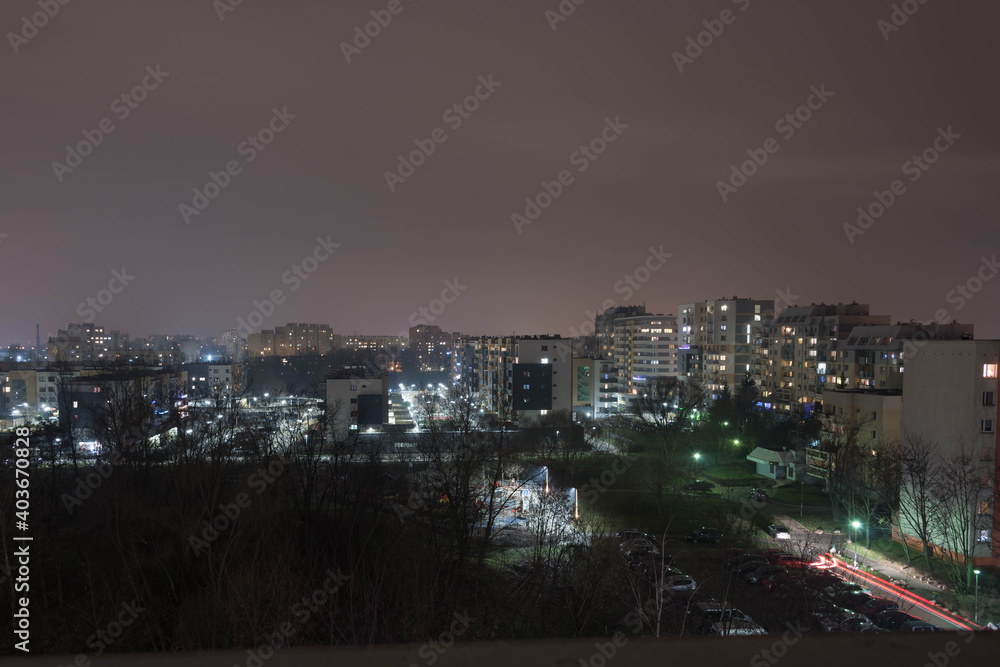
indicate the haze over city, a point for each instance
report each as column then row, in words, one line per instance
column 557, row 82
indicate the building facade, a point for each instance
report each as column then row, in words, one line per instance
column 716, row 340
column 645, row 348
column 951, row 389
column 786, row 352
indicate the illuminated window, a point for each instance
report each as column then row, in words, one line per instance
column 989, row 370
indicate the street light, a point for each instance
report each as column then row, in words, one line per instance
column 976, row 572
column 855, row 525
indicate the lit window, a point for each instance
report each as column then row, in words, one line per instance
column 989, row 370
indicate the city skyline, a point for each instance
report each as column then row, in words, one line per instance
column 730, row 146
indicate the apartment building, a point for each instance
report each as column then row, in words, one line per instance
column 357, row 403
column 786, row 351
column 519, row 376
column 645, row 348
column 715, row 340
column 604, row 327
column 951, row 389
column 432, row 346
column 293, row 339
column 207, row 380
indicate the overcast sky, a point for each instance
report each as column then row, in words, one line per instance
column 678, row 125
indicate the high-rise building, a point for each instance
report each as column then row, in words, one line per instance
column 604, row 327
column 645, row 347
column 787, row 350
column 522, row 376
column 715, row 340
column 432, row 346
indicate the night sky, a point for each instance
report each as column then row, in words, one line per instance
column 608, row 65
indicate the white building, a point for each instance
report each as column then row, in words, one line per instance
column 356, row 403
column 950, row 391
column 645, row 348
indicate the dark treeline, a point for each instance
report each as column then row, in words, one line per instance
column 223, row 532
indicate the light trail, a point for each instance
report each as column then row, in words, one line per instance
column 916, row 600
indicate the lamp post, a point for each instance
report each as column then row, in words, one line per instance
column 855, row 525
column 976, row 572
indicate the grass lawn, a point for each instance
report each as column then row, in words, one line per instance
column 812, row 496
column 735, row 470
column 822, row 522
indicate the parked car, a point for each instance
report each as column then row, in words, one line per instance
column 853, row 601
column 748, row 567
column 713, row 617
column 761, row 573
column 858, row 623
column 892, row 620
column 840, row 586
column 760, row 495
column 731, row 554
column 704, row 534
column 634, row 534
column 745, row 559
column 653, row 571
column 639, row 546
column 875, row 605
column 699, row 486
column 678, row 584
column 919, row 626
column 792, row 562
column 779, row 531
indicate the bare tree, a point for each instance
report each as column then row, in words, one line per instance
column 960, row 493
column 919, row 473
